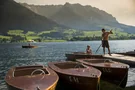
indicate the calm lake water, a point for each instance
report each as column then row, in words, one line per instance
column 14, row 55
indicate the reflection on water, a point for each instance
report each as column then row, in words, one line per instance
column 14, row 55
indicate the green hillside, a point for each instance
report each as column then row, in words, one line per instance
column 14, row 16
column 60, row 36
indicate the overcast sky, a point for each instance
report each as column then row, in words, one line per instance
column 123, row 10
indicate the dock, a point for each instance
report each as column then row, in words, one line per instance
column 130, row 60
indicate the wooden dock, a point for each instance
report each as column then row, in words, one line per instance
column 130, row 60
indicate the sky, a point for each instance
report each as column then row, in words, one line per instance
column 122, row 10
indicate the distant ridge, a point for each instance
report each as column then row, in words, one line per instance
column 16, row 16
column 80, row 17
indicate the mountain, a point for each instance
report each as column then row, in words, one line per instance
column 15, row 16
column 66, row 16
column 80, row 17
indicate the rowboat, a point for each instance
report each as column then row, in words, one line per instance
column 114, row 72
column 31, row 78
column 129, row 53
column 77, row 75
column 29, row 46
column 78, row 55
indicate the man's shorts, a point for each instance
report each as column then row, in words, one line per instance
column 105, row 43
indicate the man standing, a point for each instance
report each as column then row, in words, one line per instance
column 105, row 43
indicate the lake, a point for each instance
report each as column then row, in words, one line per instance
column 12, row 54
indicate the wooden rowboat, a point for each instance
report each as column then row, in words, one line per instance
column 129, row 53
column 112, row 71
column 31, row 78
column 29, row 46
column 78, row 55
column 77, row 75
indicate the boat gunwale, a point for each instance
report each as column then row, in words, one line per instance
column 104, row 64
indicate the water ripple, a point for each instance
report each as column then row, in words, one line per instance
column 14, row 55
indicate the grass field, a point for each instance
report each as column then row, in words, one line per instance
column 62, row 35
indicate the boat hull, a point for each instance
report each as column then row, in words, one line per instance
column 73, row 78
column 132, row 53
column 79, row 83
column 23, row 78
column 116, row 73
column 29, row 46
column 117, row 76
column 10, row 87
column 78, row 55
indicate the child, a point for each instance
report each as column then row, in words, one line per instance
column 88, row 50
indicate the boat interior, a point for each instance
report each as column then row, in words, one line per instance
column 29, row 70
column 69, row 65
